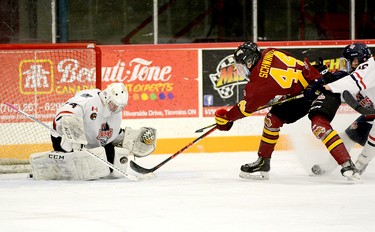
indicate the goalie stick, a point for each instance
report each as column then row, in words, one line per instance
column 271, row 103
column 143, row 170
column 108, row 164
column 352, row 102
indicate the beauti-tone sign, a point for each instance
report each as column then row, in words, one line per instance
column 161, row 83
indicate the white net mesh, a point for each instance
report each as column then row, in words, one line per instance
column 38, row 79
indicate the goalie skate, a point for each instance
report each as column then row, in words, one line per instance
column 257, row 170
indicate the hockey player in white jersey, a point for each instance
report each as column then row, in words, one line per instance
column 361, row 83
column 90, row 122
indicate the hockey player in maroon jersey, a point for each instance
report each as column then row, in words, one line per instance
column 274, row 73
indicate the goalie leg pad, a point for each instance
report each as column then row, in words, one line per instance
column 79, row 165
column 121, row 160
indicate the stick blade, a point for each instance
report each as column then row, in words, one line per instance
column 139, row 169
column 206, row 127
column 148, row 176
column 352, row 102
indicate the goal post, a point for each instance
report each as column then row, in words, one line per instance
column 38, row 79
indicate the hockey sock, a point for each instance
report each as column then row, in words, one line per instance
column 323, row 130
column 270, row 135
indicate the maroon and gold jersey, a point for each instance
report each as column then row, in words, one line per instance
column 276, row 73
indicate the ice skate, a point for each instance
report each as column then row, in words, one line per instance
column 350, row 171
column 257, row 170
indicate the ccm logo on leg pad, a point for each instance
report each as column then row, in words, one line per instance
column 56, row 157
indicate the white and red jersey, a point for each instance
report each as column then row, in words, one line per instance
column 100, row 125
column 362, row 81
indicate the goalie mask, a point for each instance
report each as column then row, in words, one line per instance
column 246, row 56
column 356, row 52
column 115, row 97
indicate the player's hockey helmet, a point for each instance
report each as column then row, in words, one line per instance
column 115, row 97
column 357, row 50
column 247, row 53
column 246, row 56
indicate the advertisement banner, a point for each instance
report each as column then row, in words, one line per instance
column 222, row 85
column 161, row 83
column 40, row 81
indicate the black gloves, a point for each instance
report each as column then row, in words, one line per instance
column 314, row 89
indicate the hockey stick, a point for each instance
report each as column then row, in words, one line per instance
column 108, row 164
column 352, row 102
column 143, row 170
column 272, row 103
column 206, row 127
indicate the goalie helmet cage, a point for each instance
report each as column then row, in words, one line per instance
column 38, row 79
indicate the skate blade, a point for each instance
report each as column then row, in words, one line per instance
column 354, row 178
column 255, row 175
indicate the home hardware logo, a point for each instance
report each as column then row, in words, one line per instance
column 36, row 77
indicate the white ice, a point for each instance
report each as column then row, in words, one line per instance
column 194, row 192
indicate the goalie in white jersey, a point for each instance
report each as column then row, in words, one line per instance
column 92, row 120
column 361, row 83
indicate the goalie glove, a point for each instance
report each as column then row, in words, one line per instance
column 72, row 133
column 140, row 143
column 148, row 136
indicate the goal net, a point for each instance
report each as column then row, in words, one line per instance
column 38, row 79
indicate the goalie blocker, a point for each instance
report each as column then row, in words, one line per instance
column 81, row 165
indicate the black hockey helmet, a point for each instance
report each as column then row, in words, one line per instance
column 247, row 53
column 357, row 50
column 246, row 56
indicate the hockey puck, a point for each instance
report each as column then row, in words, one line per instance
column 124, row 160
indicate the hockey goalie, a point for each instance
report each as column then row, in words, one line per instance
column 89, row 125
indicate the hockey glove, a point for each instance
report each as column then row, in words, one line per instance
column 313, row 90
column 140, row 142
column 222, row 122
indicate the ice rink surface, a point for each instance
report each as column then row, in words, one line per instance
column 194, row 192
